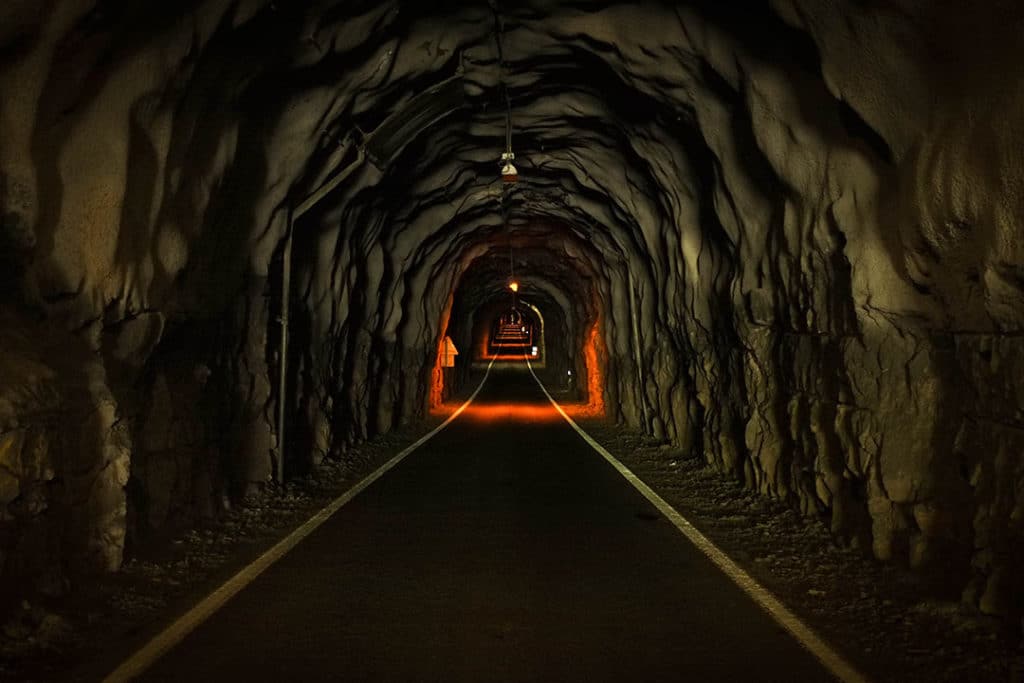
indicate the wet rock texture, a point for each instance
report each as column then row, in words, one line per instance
column 796, row 228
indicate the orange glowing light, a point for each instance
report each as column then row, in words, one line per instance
column 512, row 412
column 437, row 373
column 593, row 353
column 514, row 286
column 518, row 412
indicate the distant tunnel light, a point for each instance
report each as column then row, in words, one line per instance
column 534, row 350
column 514, row 286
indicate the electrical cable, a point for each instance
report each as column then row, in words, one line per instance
column 506, row 203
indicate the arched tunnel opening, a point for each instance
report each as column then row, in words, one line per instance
column 514, row 334
column 244, row 244
column 529, row 296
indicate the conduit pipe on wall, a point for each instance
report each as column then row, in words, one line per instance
column 286, row 287
column 637, row 353
column 294, row 214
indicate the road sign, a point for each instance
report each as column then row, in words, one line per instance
column 448, row 353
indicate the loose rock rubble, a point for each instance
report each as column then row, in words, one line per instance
column 892, row 624
column 111, row 615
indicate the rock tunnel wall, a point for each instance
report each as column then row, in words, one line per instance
column 798, row 228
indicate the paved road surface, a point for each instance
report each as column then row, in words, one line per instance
column 502, row 550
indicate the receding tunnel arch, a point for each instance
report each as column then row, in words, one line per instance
column 539, row 349
column 507, row 332
column 557, row 273
column 772, row 231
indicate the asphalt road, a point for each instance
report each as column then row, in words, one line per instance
column 504, row 549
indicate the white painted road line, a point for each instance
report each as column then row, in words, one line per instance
column 156, row 648
column 830, row 659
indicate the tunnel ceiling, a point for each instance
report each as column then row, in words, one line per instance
column 790, row 233
column 658, row 132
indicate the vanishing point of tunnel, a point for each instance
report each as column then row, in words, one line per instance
column 544, row 281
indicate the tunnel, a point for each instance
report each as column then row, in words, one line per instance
column 242, row 239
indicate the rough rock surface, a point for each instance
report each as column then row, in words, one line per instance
column 795, row 228
column 883, row 619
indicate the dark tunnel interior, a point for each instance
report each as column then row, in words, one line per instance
column 242, row 239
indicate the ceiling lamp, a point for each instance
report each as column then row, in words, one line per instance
column 514, row 286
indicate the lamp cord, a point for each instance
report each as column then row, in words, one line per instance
column 506, row 199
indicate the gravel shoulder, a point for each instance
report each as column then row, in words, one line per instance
column 892, row 624
column 86, row 634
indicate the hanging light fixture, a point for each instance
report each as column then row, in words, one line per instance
column 509, row 173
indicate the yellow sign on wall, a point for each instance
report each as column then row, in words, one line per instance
column 448, row 353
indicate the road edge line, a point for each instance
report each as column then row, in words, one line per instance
column 801, row 632
column 167, row 639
